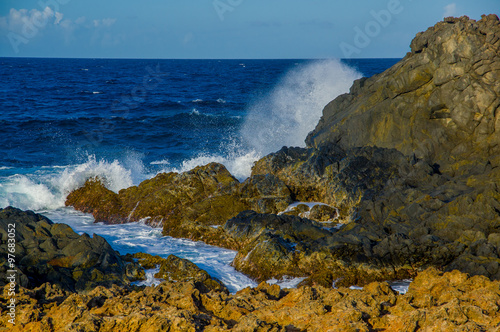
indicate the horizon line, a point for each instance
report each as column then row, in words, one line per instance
column 112, row 58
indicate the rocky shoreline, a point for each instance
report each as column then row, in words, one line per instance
column 407, row 163
column 190, row 300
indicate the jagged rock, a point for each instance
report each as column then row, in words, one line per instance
column 174, row 268
column 323, row 213
column 440, row 102
column 178, row 269
column 434, row 302
column 413, row 154
column 48, row 252
column 185, row 204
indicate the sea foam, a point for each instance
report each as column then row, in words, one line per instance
column 48, row 187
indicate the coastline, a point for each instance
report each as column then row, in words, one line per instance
column 406, row 163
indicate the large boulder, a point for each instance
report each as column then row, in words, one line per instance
column 439, row 103
column 48, row 252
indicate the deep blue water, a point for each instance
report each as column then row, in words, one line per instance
column 151, row 115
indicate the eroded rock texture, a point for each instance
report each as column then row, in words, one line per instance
column 409, row 159
column 435, row 302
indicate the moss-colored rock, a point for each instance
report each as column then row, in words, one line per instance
column 178, row 269
column 186, row 205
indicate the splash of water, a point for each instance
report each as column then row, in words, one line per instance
column 48, row 187
column 283, row 117
column 293, row 108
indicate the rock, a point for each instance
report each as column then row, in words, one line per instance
column 298, row 210
column 48, row 252
column 178, row 269
column 174, row 268
column 421, row 173
column 323, row 213
column 435, row 301
column 274, row 246
column 187, row 204
column 439, row 102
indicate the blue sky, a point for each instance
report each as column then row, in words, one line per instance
column 237, row 29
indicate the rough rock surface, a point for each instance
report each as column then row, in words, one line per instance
column 434, row 302
column 411, row 156
column 274, row 246
column 185, row 204
column 439, row 103
column 48, row 252
column 178, row 269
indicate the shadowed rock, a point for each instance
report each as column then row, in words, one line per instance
column 48, row 252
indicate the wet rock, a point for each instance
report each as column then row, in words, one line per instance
column 323, row 213
column 186, row 205
column 48, row 252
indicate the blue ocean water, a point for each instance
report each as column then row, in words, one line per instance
column 65, row 120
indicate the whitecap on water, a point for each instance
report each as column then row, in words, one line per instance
column 48, row 187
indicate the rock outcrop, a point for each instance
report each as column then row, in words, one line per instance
column 434, row 302
column 54, row 253
column 187, row 204
column 439, row 103
column 411, row 156
column 178, row 269
column 409, row 160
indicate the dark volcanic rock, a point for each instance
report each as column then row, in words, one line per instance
column 283, row 245
column 48, row 252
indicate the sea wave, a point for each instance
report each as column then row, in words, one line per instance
column 292, row 109
column 283, row 117
column 238, row 163
column 48, row 187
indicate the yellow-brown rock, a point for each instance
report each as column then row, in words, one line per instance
column 435, row 301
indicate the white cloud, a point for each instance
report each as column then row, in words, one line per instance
column 59, row 17
column 105, row 22
column 22, row 25
column 80, row 20
column 20, row 20
column 450, row 10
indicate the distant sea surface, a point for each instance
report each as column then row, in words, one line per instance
column 65, row 120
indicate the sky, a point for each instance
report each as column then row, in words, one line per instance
column 222, row 29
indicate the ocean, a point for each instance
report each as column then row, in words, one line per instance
column 65, row 120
